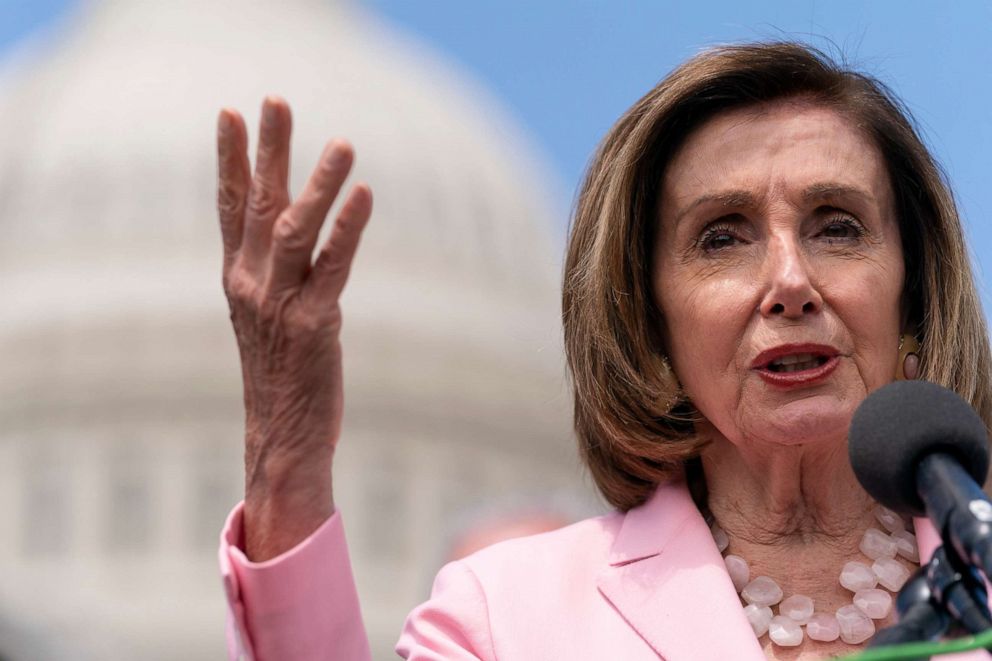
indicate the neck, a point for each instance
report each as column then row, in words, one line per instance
column 795, row 513
column 785, row 496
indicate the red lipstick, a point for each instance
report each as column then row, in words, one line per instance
column 792, row 365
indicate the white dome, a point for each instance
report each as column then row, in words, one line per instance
column 121, row 399
column 130, row 103
column 108, row 170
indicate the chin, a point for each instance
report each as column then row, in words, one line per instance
column 814, row 420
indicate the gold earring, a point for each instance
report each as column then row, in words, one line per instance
column 669, row 393
column 908, row 365
column 676, row 406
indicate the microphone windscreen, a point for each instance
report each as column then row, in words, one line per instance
column 902, row 422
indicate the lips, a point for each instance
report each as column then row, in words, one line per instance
column 796, row 364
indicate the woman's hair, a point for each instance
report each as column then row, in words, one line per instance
column 634, row 427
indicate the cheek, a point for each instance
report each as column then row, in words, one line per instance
column 872, row 314
column 704, row 329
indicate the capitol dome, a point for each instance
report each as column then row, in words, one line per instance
column 121, row 410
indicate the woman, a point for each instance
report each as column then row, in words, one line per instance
column 760, row 242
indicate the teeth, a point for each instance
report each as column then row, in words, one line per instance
column 793, row 359
column 798, row 367
column 796, row 362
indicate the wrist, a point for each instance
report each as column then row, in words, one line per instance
column 285, row 505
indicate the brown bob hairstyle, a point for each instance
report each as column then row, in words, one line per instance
column 634, row 427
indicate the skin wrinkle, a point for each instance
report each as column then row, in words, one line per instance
column 826, row 192
column 775, row 462
column 830, row 533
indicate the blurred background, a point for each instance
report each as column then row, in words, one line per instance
column 120, row 402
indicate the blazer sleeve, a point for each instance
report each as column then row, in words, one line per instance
column 301, row 605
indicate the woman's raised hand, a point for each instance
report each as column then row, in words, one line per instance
column 285, row 312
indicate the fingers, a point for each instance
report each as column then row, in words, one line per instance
column 330, row 271
column 233, row 179
column 269, row 188
column 296, row 229
column 257, row 220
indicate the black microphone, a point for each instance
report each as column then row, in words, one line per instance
column 919, row 448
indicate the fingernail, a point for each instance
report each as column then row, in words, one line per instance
column 223, row 121
column 335, row 155
column 269, row 110
column 338, row 152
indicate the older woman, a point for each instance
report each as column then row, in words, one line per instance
column 761, row 241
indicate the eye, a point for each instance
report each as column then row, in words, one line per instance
column 718, row 237
column 841, row 228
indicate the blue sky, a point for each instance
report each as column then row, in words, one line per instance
column 567, row 70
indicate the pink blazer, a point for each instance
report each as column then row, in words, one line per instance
column 644, row 585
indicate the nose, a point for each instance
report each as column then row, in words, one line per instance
column 789, row 293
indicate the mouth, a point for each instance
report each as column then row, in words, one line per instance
column 796, row 364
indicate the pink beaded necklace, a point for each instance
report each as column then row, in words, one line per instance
column 797, row 616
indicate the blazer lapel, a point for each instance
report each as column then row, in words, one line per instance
column 668, row 581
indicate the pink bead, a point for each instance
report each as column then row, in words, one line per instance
column 855, row 626
column 876, row 544
column 857, row 576
column 823, row 627
column 785, row 632
column 874, row 603
column 798, row 608
column 759, row 617
column 720, row 537
column 911, row 366
column 891, row 574
column 906, row 545
column 739, row 572
column 762, row 591
column 889, row 519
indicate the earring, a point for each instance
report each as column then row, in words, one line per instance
column 908, row 365
column 672, row 390
column 669, row 394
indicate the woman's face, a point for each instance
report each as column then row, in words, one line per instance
column 779, row 271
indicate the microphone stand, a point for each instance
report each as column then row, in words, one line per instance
column 960, row 588
column 921, row 617
column 945, row 590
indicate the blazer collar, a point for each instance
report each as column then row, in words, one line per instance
column 668, row 581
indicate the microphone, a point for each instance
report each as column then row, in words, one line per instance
column 919, row 448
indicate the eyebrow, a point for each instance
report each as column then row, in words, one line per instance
column 744, row 198
column 729, row 198
column 831, row 189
